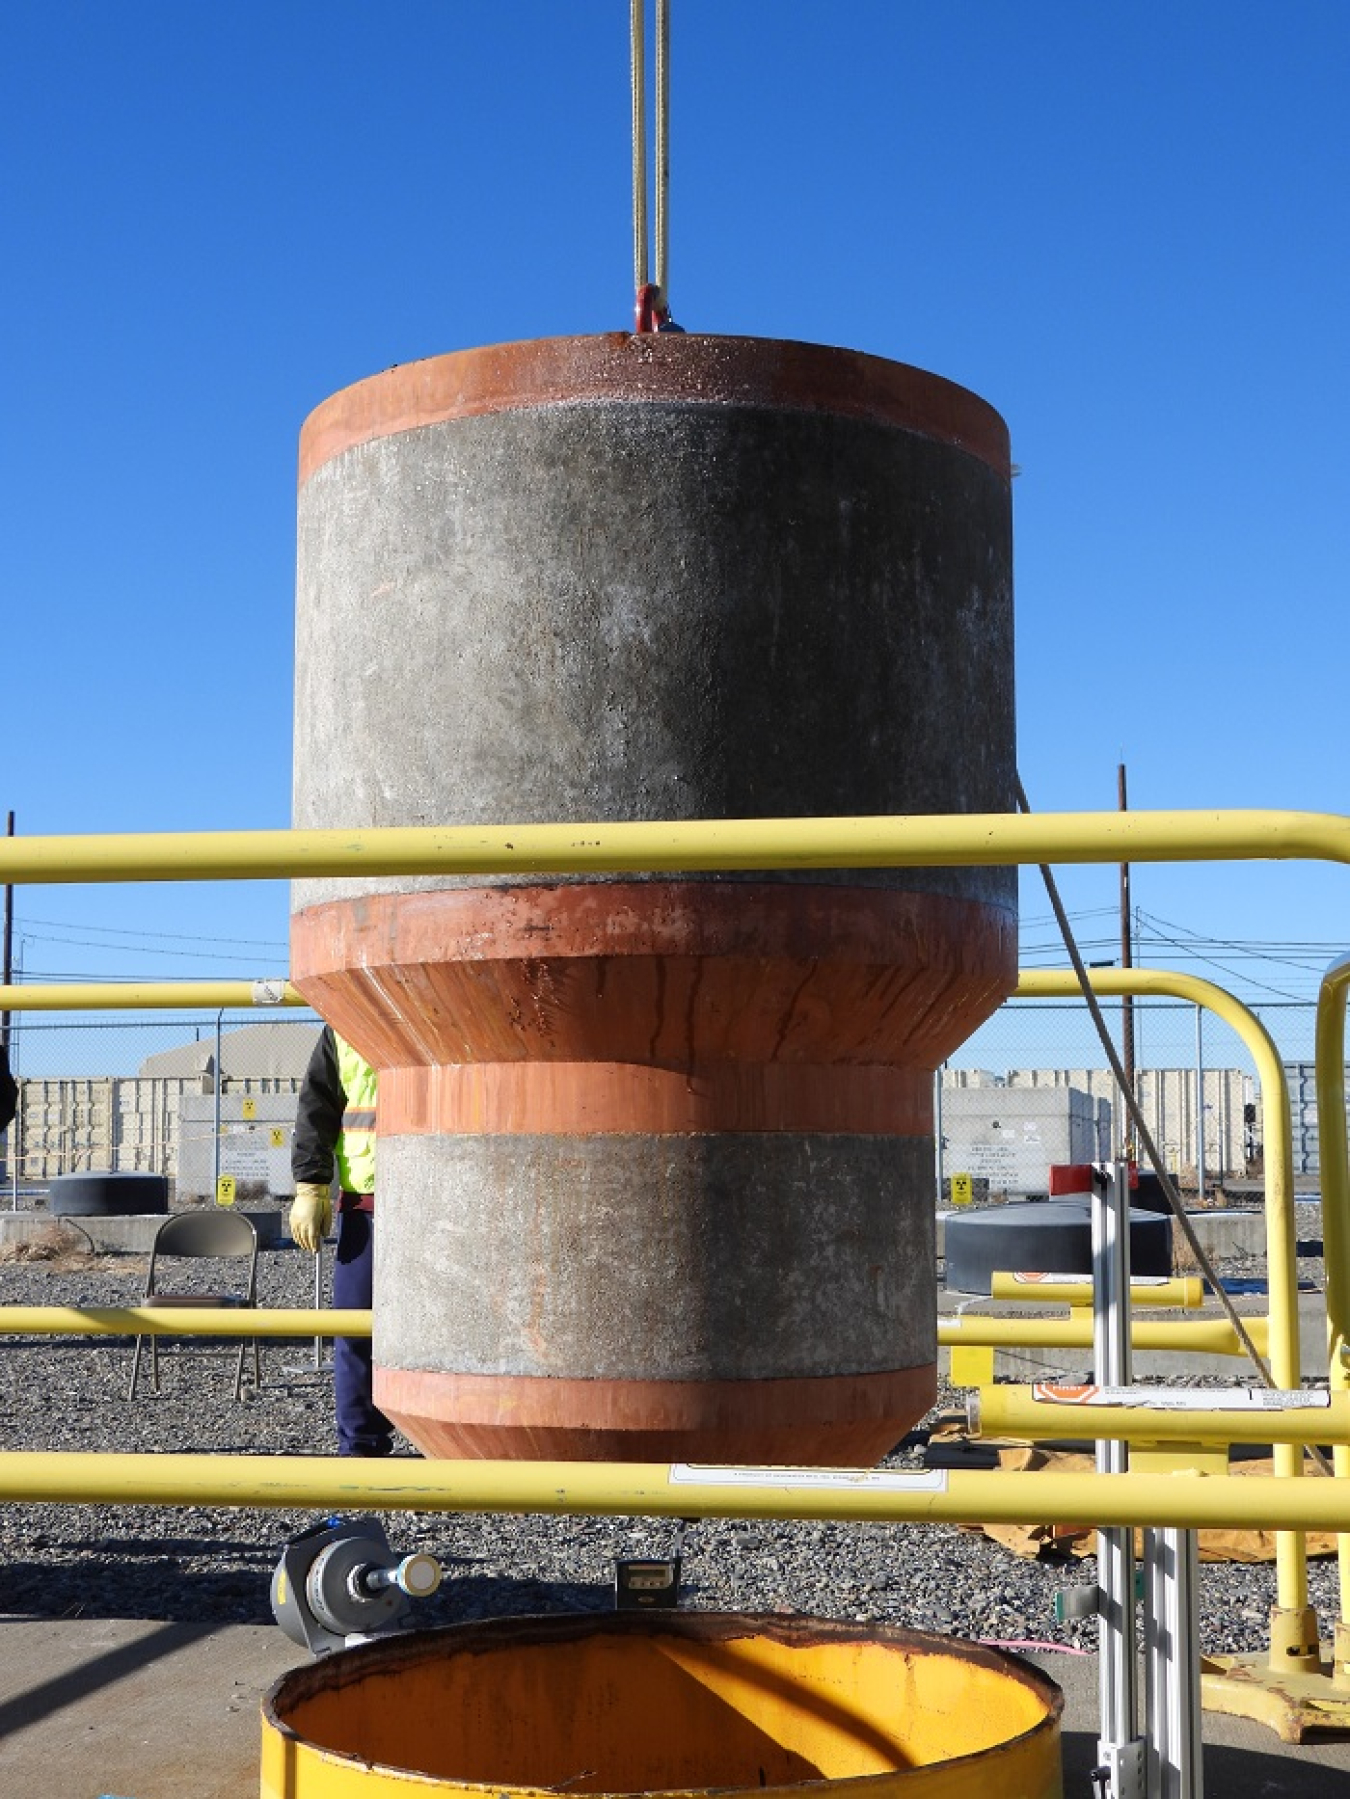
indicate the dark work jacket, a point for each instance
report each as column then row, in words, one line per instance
column 318, row 1119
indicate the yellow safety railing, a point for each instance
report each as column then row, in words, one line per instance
column 146, row 996
column 980, row 839
column 1181, row 1293
column 1199, row 1336
column 1334, row 1173
column 968, row 840
column 640, row 1489
column 1021, row 1412
column 1282, row 1344
column 180, row 1321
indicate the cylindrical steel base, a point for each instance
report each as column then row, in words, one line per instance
column 677, row 1702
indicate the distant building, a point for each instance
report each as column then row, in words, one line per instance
column 255, row 1052
column 164, row 1119
column 1167, row 1098
column 1010, row 1136
column 1302, row 1079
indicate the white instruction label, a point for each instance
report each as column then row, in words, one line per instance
column 1185, row 1399
column 269, row 993
column 823, row 1480
column 1085, row 1280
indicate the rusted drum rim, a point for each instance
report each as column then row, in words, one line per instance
column 674, row 368
column 388, row 1658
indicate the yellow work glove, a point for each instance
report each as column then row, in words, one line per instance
column 311, row 1216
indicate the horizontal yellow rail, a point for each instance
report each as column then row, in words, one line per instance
column 1015, row 1412
column 1198, row 1336
column 1211, row 1336
column 179, row 1321
column 1184, row 1292
column 147, row 996
column 639, row 1489
column 975, row 839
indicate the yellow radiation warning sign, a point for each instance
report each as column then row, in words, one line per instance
column 249, row 1109
column 276, row 1137
column 963, row 1189
column 225, row 1190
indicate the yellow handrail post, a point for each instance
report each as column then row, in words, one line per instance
column 1294, row 1640
column 1335, row 1182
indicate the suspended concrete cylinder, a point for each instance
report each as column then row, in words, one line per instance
column 655, row 1154
column 688, row 1703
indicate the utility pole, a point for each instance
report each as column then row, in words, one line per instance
column 1126, row 961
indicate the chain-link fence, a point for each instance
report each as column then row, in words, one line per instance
column 192, row 1098
column 1033, row 1088
column 195, row 1098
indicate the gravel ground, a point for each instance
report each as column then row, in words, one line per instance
column 191, row 1563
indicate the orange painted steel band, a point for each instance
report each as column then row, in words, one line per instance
column 664, row 974
column 672, row 916
column 686, row 369
column 580, row 1098
column 531, row 1402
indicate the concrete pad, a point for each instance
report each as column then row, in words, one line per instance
column 134, row 1708
column 1242, row 1760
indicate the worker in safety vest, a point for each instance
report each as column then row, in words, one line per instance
column 335, row 1134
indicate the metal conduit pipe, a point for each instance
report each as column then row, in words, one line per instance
column 964, row 841
column 636, row 1489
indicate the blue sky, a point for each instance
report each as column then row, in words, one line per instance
column 1123, row 226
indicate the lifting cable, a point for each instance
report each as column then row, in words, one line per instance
column 650, row 279
column 1150, row 1148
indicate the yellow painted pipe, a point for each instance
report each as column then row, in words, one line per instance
column 1016, row 1412
column 146, row 996
column 1200, row 1336
column 1334, row 1165
column 1282, row 1347
column 179, row 1321
column 636, row 1489
column 968, row 840
column 1184, row 1293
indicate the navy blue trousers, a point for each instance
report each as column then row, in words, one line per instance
column 362, row 1428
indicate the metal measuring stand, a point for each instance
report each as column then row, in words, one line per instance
column 1120, row 1770
column 1167, row 1761
column 317, row 1369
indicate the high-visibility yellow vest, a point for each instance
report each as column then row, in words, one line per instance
column 355, row 1147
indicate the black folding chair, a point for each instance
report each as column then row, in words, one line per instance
column 193, row 1235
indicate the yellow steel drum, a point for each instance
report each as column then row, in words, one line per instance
column 678, row 1703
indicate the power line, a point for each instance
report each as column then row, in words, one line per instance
column 56, row 924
